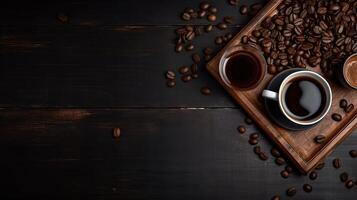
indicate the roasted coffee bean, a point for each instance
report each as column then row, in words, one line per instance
column 313, row 175
column 291, row 191
column 196, row 58
column 272, row 69
column 284, row 174
column 243, row 10
column 170, row 83
column 194, row 68
column 353, row 153
column 204, row 5
column 209, row 28
column 254, row 136
column 190, row 47
column 219, row 40
column 320, row 166
column 344, row 177
column 349, row 108
column 186, row 78
column 116, row 133
column 170, row 75
column 195, row 76
column 190, row 35
column 211, row 18
column 206, row 91
column 280, row 161
column 212, row 9
column 233, row 2
column 276, row 197
column 274, row 152
column 349, row 184
column 257, row 150
column 289, row 169
column 263, row 156
column 244, row 39
column 343, row 103
column 320, row 139
column 248, row 121
column 307, row 188
column 201, row 13
column 241, row 129
column 253, row 141
column 336, row 163
column 186, row 16
column 336, row 117
column 222, row 26
column 183, row 69
column 178, row 48
column 228, row 19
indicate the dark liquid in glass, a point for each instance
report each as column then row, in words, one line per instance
column 243, row 70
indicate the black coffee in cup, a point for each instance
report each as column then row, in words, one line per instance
column 305, row 98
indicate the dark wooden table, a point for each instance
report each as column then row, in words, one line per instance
column 65, row 86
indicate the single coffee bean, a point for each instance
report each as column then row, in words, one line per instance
column 336, row 163
column 178, row 48
column 186, row 78
column 353, row 153
column 184, row 69
column 233, row 2
column 263, row 156
column 243, row 9
column 211, row 18
column 206, row 91
column 336, row 117
column 320, row 166
column 257, row 150
column 272, row 69
column 291, row 191
column 284, row 174
column 204, row 5
column 219, row 40
column 276, row 197
column 280, row 161
column 201, row 13
column 307, row 188
column 116, row 133
column 170, row 75
column 248, row 121
column 190, row 47
column 289, row 169
column 344, row 177
column 212, row 9
column 253, row 141
column 349, row 108
column 196, row 58
column 349, row 184
column 313, row 175
column 241, row 129
column 170, row 83
column 222, row 26
column 254, row 136
column 194, row 68
column 274, row 152
column 343, row 103
column 186, row 16
column 320, row 139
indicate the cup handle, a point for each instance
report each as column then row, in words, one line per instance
column 270, row 95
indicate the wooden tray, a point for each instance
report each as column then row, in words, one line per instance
column 299, row 146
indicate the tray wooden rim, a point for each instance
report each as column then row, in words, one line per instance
column 302, row 164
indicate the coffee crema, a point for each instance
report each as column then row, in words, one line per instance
column 350, row 72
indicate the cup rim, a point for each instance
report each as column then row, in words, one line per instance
column 344, row 71
column 326, row 109
column 243, row 48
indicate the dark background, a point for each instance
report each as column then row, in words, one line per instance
column 65, row 86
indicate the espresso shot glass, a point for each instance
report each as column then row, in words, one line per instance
column 242, row 67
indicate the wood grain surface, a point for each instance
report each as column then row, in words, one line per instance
column 65, row 86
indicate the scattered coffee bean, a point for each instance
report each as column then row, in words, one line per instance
column 257, row 150
column 274, row 152
column 184, row 69
column 186, row 16
column 336, row 163
column 320, row 166
column 254, row 136
column 190, row 47
column 243, row 10
column 320, row 139
column 336, row 117
column 194, row 68
column 170, row 83
column 276, row 197
column 204, row 5
column 219, row 40
column 195, row 76
column 263, row 156
column 291, row 191
column 116, row 133
column 211, row 18
column 353, row 153
column 280, row 161
column 208, row 28
column 253, row 141
column 196, row 58
column 233, row 2
column 186, row 78
column 350, row 184
column 344, row 177
column 349, row 108
column 343, row 103
column 222, row 26
column 241, row 129
column 206, row 90
column 313, row 175
column 213, row 9
column 178, row 48
column 170, row 75
column 289, row 169
column 284, row 174
column 307, row 188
